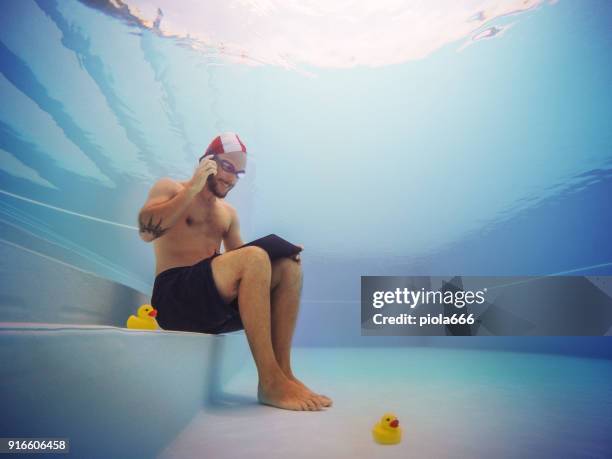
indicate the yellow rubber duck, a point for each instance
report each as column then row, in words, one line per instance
column 387, row 431
column 145, row 320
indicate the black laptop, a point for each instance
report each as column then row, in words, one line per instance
column 275, row 246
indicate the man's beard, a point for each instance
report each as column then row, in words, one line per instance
column 213, row 186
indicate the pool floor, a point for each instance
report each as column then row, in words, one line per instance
column 450, row 403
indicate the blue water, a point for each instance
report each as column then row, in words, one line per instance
column 489, row 153
column 475, row 139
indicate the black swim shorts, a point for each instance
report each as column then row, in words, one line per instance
column 187, row 299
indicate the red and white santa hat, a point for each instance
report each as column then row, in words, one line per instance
column 227, row 142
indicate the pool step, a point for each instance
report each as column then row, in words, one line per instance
column 113, row 392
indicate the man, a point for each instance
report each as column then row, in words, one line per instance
column 199, row 289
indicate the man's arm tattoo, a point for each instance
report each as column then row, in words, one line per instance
column 149, row 227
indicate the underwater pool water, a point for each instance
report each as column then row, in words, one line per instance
column 478, row 143
column 441, row 138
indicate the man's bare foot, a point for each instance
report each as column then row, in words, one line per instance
column 323, row 399
column 283, row 393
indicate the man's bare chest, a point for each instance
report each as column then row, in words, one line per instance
column 212, row 222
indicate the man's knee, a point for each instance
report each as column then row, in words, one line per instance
column 288, row 269
column 255, row 257
column 230, row 268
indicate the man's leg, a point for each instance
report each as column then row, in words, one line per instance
column 286, row 287
column 246, row 273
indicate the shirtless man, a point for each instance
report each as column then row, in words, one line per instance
column 198, row 289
